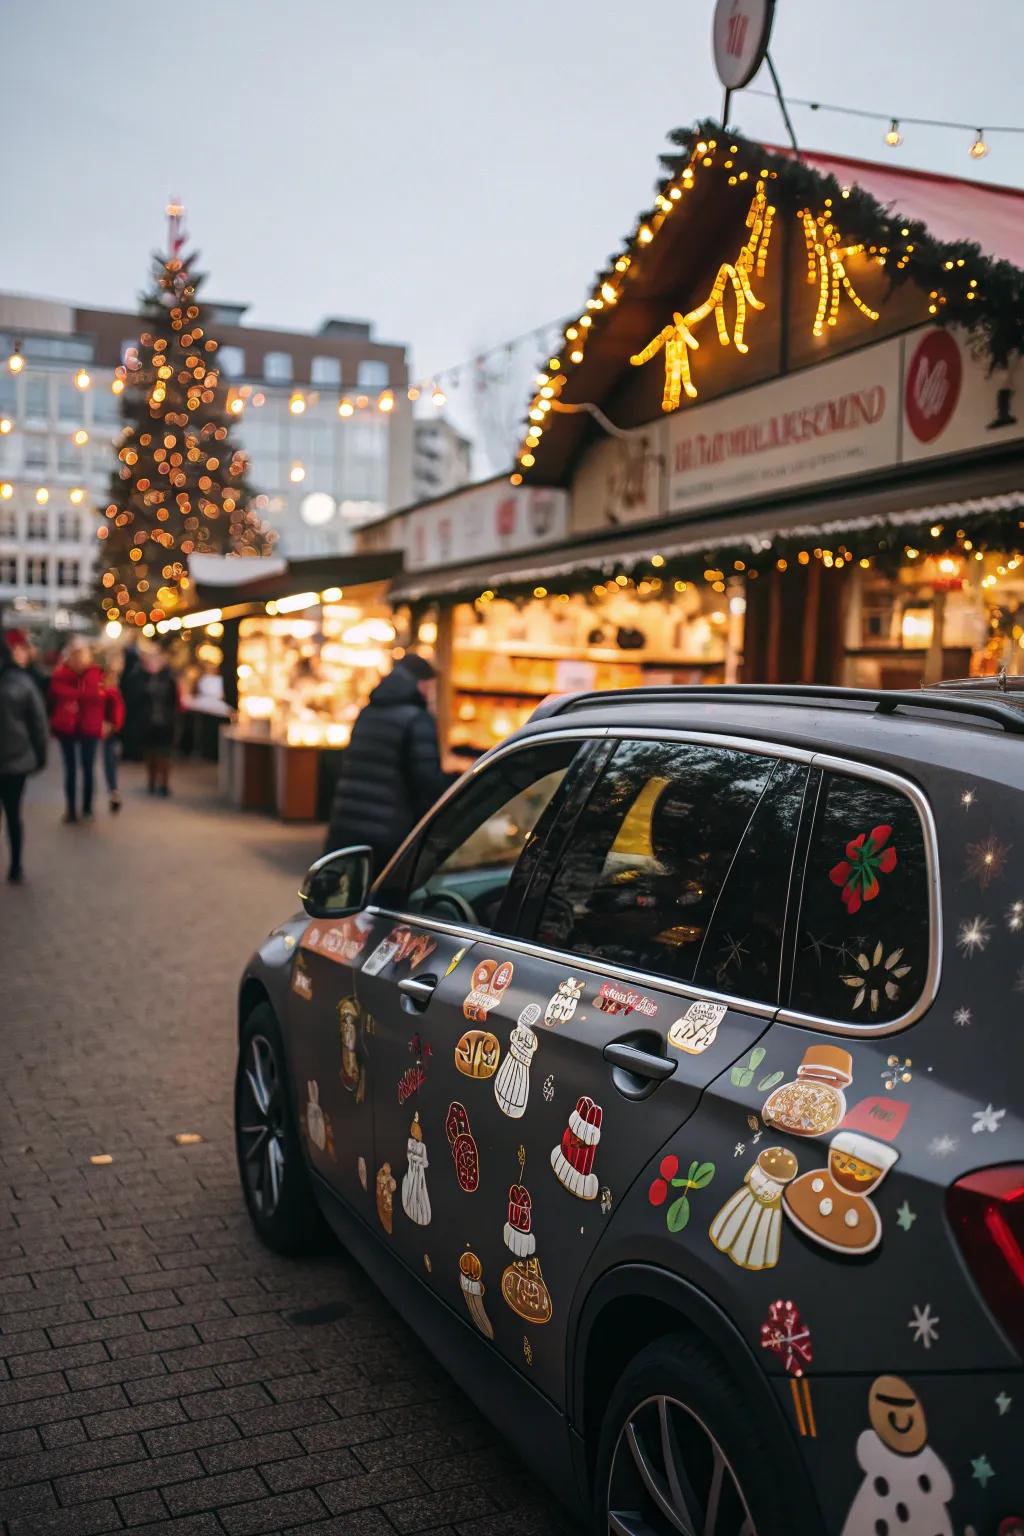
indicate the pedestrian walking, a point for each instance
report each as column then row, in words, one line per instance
column 113, row 724
column 391, row 770
column 159, row 716
column 76, row 719
column 22, row 745
column 133, row 685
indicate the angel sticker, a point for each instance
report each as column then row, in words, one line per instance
column 415, row 1200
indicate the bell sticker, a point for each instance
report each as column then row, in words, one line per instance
column 512, row 1084
column 748, row 1228
column 564, row 1003
column 698, row 1027
column 490, row 980
column 415, row 1200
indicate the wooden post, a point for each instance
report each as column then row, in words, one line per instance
column 812, row 610
column 443, row 661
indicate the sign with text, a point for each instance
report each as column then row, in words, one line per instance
column 824, row 423
column 484, row 521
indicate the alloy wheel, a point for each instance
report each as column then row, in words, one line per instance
column 670, row 1477
column 261, row 1125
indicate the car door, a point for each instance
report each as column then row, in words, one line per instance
column 330, row 1048
column 438, row 986
column 656, row 937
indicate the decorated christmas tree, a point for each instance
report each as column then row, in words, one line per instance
column 180, row 484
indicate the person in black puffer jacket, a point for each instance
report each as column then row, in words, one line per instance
column 22, row 738
column 391, row 771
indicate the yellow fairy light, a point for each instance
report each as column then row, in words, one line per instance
column 386, row 402
column 42, row 496
column 645, row 234
column 76, row 496
column 5, row 425
column 82, row 379
column 81, row 437
column 438, row 396
column 826, row 266
column 16, row 362
column 979, row 149
column 297, row 404
column 678, row 339
column 608, row 293
column 345, row 408
column 6, row 490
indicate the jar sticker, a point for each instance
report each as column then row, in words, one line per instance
column 698, row 1027
column 353, row 1071
column 905, row 1484
column 814, row 1103
column 490, row 979
column 573, row 1158
column 748, row 1228
column 788, row 1337
column 564, row 1003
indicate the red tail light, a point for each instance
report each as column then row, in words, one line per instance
column 986, row 1211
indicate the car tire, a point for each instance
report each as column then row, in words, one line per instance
column 275, row 1179
column 678, row 1396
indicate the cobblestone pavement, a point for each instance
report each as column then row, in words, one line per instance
column 153, row 1372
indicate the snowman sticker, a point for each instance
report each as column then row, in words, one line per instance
column 906, row 1487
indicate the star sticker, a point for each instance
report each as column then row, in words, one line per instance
column 973, row 935
column 982, row 1470
column 924, row 1325
column 1003, row 1403
column 967, row 799
column 987, row 1119
column 905, row 1217
column 1015, row 916
column 817, row 945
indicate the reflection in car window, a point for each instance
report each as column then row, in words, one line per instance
column 470, row 848
column 638, row 882
column 742, row 948
column 862, row 945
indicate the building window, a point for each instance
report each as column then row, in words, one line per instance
column 70, row 458
column 373, row 374
column 37, row 526
column 8, row 571
column 231, row 362
column 106, row 407
column 70, row 403
column 37, row 571
column 68, row 573
column 8, row 393
column 69, row 527
column 8, row 523
column 325, row 370
column 37, row 399
column 37, row 452
column 277, row 367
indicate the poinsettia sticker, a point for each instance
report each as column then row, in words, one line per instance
column 867, row 857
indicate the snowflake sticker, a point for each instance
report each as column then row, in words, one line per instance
column 1015, row 916
column 987, row 1119
column 973, row 936
column 942, row 1146
column 896, row 1070
column 963, row 1018
column 876, row 974
column 924, row 1325
column 867, row 857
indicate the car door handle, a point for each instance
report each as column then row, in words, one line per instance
column 418, row 990
column 639, row 1063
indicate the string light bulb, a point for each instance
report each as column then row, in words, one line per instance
column 297, row 404
column 76, row 496
column 82, row 379
column 297, row 473
column 979, row 149
column 5, row 425
column 893, row 137
column 386, row 402
column 16, row 362
column 438, row 396
column 345, row 408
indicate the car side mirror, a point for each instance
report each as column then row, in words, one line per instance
column 338, row 884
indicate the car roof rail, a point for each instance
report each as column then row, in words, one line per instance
column 883, row 701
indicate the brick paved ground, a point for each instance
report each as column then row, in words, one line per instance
column 152, row 1372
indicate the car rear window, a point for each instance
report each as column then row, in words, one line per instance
column 863, row 940
column 648, row 856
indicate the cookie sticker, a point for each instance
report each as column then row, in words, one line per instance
column 573, row 1158
column 473, row 1291
column 615, row 998
column 385, row 1196
column 477, row 1053
column 831, row 1205
column 748, row 1228
column 522, row 1284
column 415, row 1200
column 490, row 979
column 905, row 1484
column 697, row 1028
column 512, row 1084
column 564, row 1003
column 814, row 1104
column 464, row 1150
column 361, row 1170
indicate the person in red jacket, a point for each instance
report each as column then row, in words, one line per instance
column 113, row 723
column 77, row 708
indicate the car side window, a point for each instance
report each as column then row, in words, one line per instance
column 638, row 881
column 742, row 949
column 462, row 865
column 863, row 941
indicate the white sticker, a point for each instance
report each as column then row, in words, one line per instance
column 697, row 1028
column 529, row 1015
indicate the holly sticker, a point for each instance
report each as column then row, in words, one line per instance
column 698, row 1177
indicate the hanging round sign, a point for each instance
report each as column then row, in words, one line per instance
column 740, row 34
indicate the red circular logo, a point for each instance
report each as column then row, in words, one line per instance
column 933, row 384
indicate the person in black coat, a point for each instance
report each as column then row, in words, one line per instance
column 391, row 770
column 22, row 741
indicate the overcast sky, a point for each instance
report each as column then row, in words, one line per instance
column 454, row 172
